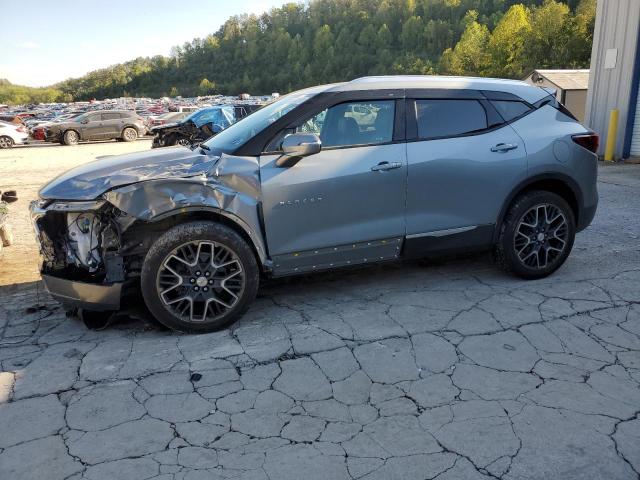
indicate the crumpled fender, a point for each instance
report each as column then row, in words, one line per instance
column 233, row 190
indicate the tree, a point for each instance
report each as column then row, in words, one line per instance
column 471, row 54
column 507, row 43
column 299, row 45
column 206, row 87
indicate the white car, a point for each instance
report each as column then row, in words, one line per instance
column 11, row 134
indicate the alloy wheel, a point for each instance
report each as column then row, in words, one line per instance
column 541, row 236
column 200, row 281
column 130, row 134
column 5, row 142
column 183, row 142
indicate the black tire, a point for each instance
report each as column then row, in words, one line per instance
column 70, row 137
column 6, row 142
column 129, row 134
column 170, row 243
column 510, row 257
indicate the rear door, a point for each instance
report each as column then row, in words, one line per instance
column 463, row 161
column 112, row 123
column 344, row 205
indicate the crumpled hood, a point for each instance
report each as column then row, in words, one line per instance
column 91, row 180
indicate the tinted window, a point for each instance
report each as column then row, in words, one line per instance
column 448, row 118
column 510, row 110
column 353, row 123
column 110, row 116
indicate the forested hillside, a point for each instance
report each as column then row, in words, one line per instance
column 334, row 40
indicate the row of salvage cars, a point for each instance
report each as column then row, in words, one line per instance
column 174, row 128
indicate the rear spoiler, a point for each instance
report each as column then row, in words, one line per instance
column 553, row 101
column 550, row 91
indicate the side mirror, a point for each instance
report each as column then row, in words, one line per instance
column 298, row 145
column 85, row 121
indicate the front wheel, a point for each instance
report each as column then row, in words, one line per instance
column 199, row 277
column 70, row 137
column 6, row 142
column 537, row 235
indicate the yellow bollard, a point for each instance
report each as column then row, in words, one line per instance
column 611, row 136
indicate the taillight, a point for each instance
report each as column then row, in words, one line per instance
column 590, row 141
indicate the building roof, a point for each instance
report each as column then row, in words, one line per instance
column 516, row 87
column 566, row 79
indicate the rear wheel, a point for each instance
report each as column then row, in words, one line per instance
column 6, row 142
column 70, row 137
column 129, row 134
column 199, row 277
column 537, row 235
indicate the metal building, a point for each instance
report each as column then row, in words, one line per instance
column 615, row 74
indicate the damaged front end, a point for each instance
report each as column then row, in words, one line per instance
column 93, row 250
column 80, row 244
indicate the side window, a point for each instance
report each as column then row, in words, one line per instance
column 449, row 118
column 96, row 117
column 510, row 110
column 110, row 116
column 353, row 123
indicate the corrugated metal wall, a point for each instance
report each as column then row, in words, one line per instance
column 635, row 140
column 617, row 25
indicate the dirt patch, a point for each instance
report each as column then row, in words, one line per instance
column 26, row 169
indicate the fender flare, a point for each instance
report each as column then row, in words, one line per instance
column 156, row 200
column 523, row 185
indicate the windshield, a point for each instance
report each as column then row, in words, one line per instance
column 223, row 116
column 239, row 133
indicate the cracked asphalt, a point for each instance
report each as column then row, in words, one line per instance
column 447, row 370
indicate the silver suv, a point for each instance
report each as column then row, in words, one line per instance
column 372, row 170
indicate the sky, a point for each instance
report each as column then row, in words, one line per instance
column 46, row 41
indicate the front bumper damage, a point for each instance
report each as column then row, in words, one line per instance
column 83, row 294
column 77, row 275
column 93, row 250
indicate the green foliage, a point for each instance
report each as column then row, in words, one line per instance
column 545, row 36
column 17, row 94
column 325, row 41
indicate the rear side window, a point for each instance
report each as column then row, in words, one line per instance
column 110, row 116
column 510, row 110
column 449, row 118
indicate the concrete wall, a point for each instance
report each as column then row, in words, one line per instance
column 617, row 25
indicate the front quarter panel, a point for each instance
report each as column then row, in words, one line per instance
column 232, row 189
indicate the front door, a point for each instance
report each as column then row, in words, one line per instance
column 92, row 129
column 344, row 205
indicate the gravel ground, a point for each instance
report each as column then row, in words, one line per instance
column 420, row 370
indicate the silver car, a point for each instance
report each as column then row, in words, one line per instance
column 372, row 170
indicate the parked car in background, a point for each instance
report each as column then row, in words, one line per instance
column 12, row 134
column 377, row 169
column 165, row 118
column 122, row 125
column 11, row 118
column 200, row 125
column 38, row 131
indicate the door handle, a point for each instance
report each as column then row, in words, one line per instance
column 384, row 166
column 504, row 147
